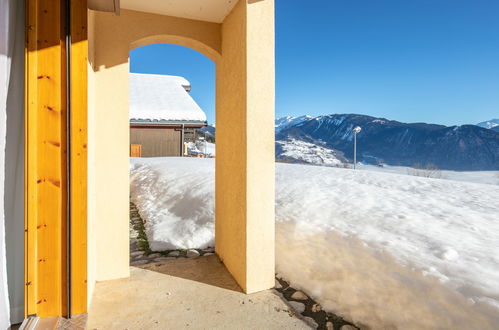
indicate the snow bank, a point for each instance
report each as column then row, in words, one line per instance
column 391, row 250
column 385, row 250
column 175, row 197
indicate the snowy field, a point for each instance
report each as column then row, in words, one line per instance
column 485, row 177
column 384, row 250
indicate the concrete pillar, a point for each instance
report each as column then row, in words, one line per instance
column 245, row 187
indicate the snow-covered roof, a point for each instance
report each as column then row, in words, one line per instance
column 157, row 98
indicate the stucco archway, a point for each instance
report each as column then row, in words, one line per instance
column 193, row 44
column 245, row 135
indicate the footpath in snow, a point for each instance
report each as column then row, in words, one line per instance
column 381, row 249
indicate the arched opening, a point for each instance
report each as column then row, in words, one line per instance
column 245, row 152
column 172, row 151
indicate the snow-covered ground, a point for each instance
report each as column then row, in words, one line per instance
column 304, row 152
column 201, row 147
column 381, row 249
column 485, row 177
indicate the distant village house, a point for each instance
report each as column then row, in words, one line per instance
column 164, row 118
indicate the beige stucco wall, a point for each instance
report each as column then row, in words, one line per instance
column 110, row 40
column 245, row 145
column 260, row 140
column 243, row 49
column 91, row 212
column 230, row 173
column 108, row 138
column 115, row 35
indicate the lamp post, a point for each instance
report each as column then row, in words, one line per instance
column 355, row 131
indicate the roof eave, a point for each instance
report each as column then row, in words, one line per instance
column 167, row 122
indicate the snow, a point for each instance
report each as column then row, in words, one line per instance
column 162, row 98
column 305, row 152
column 381, row 249
column 201, row 147
column 174, row 196
column 484, row 177
column 489, row 124
column 288, row 121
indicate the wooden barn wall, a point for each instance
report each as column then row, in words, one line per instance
column 157, row 142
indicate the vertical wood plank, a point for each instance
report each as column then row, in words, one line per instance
column 30, row 264
column 46, row 160
column 78, row 196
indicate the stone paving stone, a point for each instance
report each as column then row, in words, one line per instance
column 298, row 295
column 164, row 259
column 138, row 262
column 348, row 327
column 312, row 322
column 310, row 310
column 154, row 255
column 192, row 254
column 297, row 306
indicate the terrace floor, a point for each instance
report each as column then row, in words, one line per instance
column 183, row 290
column 194, row 293
column 192, row 289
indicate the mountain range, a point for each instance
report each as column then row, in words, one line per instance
column 383, row 141
column 492, row 124
column 328, row 140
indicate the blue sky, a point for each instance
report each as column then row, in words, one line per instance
column 415, row 61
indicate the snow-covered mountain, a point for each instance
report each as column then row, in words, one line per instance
column 328, row 140
column 492, row 124
column 208, row 130
column 466, row 147
column 301, row 152
column 287, row 121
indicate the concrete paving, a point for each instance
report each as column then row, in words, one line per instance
column 195, row 293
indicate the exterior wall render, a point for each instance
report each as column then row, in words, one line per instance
column 245, row 111
column 260, row 139
column 110, row 40
column 231, row 146
column 245, row 192
column 91, row 201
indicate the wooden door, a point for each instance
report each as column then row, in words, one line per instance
column 55, row 195
column 135, row 150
